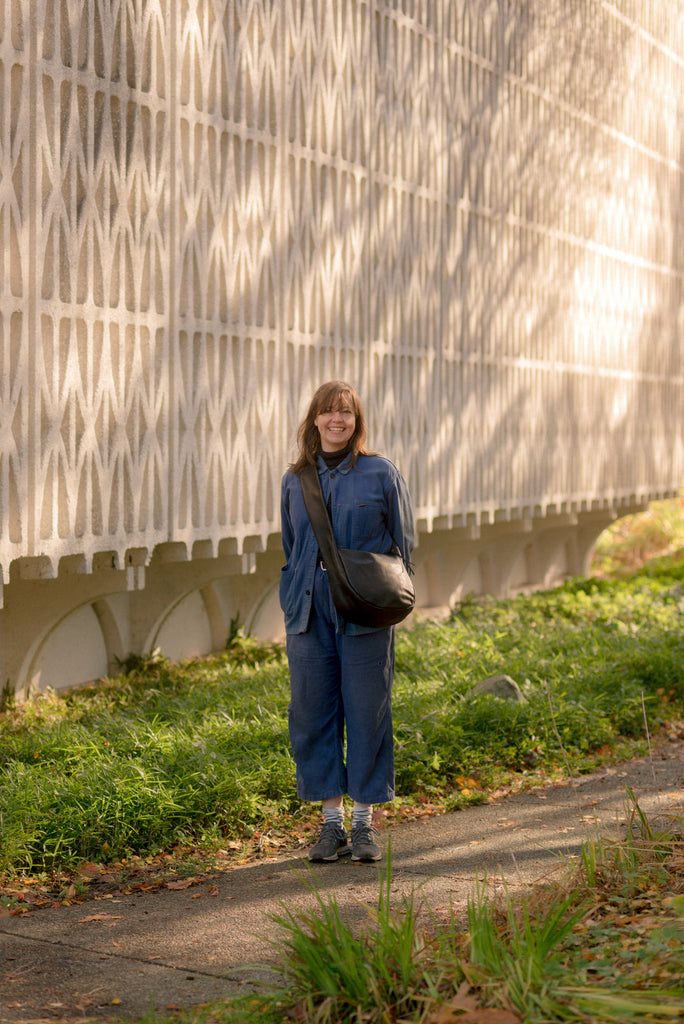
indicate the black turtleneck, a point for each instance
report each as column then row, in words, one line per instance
column 333, row 459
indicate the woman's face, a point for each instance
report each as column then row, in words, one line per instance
column 336, row 425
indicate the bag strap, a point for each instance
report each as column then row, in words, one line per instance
column 319, row 518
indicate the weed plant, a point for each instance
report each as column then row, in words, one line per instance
column 604, row 946
column 166, row 756
column 335, row 972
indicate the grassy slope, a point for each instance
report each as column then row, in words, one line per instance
column 198, row 754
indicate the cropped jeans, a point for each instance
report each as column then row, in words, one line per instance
column 337, row 680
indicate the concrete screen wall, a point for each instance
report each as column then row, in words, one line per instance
column 473, row 210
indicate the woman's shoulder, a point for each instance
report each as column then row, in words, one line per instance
column 376, row 462
column 289, row 477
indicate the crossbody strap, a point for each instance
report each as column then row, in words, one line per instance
column 318, row 516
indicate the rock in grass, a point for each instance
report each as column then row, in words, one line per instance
column 500, row 686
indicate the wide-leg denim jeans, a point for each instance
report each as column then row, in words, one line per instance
column 337, row 681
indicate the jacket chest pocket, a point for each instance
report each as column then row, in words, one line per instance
column 367, row 523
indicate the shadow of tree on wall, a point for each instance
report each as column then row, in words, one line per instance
column 538, row 367
column 492, row 338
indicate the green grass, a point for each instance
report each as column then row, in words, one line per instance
column 604, row 946
column 197, row 754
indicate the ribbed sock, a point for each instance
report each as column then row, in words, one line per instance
column 334, row 816
column 362, row 814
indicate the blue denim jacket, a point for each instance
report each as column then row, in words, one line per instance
column 370, row 507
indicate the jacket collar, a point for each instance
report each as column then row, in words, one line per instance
column 343, row 467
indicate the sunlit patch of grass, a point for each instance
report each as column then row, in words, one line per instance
column 632, row 540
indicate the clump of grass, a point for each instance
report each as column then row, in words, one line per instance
column 335, row 972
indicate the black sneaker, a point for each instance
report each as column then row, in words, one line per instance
column 364, row 846
column 331, row 844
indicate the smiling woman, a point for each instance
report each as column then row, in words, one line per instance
column 341, row 672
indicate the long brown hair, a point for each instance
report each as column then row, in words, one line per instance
column 329, row 396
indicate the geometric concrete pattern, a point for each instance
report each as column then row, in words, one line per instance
column 472, row 210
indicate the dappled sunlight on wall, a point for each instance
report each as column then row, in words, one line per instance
column 471, row 209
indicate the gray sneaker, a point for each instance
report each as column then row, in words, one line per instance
column 364, row 846
column 331, row 844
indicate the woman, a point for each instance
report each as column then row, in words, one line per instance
column 341, row 674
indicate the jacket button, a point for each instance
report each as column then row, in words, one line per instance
column 308, row 592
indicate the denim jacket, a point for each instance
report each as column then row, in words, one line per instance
column 371, row 510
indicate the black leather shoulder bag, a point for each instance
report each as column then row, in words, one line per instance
column 367, row 589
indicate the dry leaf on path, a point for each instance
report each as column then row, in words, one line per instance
column 463, row 1009
column 87, row 870
column 455, row 1008
column 447, row 1015
column 99, row 917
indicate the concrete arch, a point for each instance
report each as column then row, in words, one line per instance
column 193, row 625
column 112, row 632
column 75, row 640
column 266, row 620
column 506, row 557
column 198, row 621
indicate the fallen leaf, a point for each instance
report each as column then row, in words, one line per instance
column 675, row 903
column 99, row 917
column 182, row 883
column 88, row 870
column 463, row 1009
column 454, row 1009
column 490, row 1016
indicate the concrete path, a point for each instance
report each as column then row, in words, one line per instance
column 127, row 956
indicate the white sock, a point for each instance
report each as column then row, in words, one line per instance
column 334, row 816
column 362, row 814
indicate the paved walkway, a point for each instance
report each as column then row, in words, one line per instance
column 126, row 956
